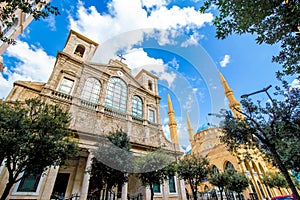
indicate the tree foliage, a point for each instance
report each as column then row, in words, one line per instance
column 155, row 167
column 237, row 182
column 111, row 161
column 274, row 129
column 33, row 136
column 8, row 13
column 219, row 180
column 194, row 169
column 272, row 21
column 275, row 180
column 230, row 180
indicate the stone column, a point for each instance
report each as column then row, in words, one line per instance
column 147, row 193
column 86, row 179
column 49, row 182
column 165, row 190
column 181, row 188
column 124, row 191
column 80, row 172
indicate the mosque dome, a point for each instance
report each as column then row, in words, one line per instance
column 203, row 127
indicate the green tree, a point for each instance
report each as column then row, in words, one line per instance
column 112, row 159
column 155, row 167
column 230, row 180
column 273, row 129
column 219, row 180
column 8, row 16
column 274, row 180
column 237, row 182
column 33, row 136
column 194, row 169
column 272, row 21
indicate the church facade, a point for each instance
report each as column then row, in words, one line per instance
column 100, row 98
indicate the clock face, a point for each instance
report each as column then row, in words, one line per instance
column 120, row 73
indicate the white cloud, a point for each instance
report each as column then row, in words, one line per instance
column 138, row 58
column 103, row 26
column 192, row 40
column 174, row 63
column 33, row 65
column 51, row 22
column 225, row 60
column 189, row 102
column 153, row 3
column 295, row 83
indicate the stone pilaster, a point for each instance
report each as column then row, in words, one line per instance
column 49, row 182
column 86, row 179
column 124, row 191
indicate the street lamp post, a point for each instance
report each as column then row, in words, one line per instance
column 259, row 91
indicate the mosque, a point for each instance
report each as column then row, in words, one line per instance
column 206, row 142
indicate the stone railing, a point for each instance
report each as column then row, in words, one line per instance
column 61, row 96
column 137, row 120
column 114, row 113
column 88, row 104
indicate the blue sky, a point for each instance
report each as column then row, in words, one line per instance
column 168, row 37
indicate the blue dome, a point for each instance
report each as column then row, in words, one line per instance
column 203, row 127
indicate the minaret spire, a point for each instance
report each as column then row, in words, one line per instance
column 172, row 122
column 190, row 128
column 234, row 105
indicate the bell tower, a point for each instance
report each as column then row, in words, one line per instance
column 80, row 47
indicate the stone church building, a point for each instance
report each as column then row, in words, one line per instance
column 100, row 98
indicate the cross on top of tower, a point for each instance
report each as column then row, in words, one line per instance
column 121, row 57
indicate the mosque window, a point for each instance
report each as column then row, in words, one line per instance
column 172, row 184
column 29, row 183
column 151, row 116
column 116, row 94
column 137, row 106
column 91, row 90
column 215, row 170
column 229, row 165
column 79, row 50
column 66, row 86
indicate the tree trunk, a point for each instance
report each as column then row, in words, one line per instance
column 7, row 189
column 285, row 172
column 194, row 191
column 152, row 192
column 239, row 196
column 221, row 193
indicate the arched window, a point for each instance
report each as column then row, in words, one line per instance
column 116, row 94
column 215, row 170
column 79, row 50
column 91, row 90
column 229, row 165
column 137, row 107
